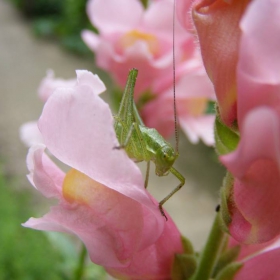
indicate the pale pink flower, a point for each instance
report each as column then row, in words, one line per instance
column 144, row 41
column 102, row 198
column 132, row 37
column 193, row 91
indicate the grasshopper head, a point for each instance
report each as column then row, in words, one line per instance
column 165, row 157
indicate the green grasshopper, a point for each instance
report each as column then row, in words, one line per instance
column 142, row 143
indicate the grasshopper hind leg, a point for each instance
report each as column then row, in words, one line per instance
column 182, row 183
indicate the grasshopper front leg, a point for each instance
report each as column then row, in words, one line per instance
column 182, row 183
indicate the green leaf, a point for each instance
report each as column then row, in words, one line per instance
column 187, row 245
column 226, row 138
column 226, row 258
column 184, row 266
column 226, row 200
column 229, row 271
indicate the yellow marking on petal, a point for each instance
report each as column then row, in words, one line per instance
column 197, row 106
column 78, row 187
column 131, row 37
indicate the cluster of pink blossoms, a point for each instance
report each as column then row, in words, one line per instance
column 131, row 36
column 240, row 45
column 102, row 198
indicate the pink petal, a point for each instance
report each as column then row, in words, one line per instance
column 255, row 164
column 30, row 134
column 50, row 83
column 192, row 90
column 217, row 26
column 247, row 251
column 158, row 18
column 44, row 174
column 91, row 39
column 85, row 140
column 183, row 9
column 109, row 229
column 110, row 16
column 259, row 59
column 85, row 77
column 199, row 128
column 140, row 58
column 155, row 262
column 262, row 267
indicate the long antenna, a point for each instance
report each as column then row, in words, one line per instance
column 174, row 84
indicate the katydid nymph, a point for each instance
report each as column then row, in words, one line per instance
column 142, row 143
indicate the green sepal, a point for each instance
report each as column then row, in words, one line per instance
column 226, row 258
column 184, row 266
column 226, row 193
column 226, row 138
column 229, row 271
column 187, row 245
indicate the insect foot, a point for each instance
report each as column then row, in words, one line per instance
column 119, row 147
column 162, row 211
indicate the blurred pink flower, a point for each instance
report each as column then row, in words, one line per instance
column 102, row 198
column 193, row 91
column 140, row 39
column 144, row 41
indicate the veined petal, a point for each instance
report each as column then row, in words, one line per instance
column 44, row 174
column 259, row 60
column 255, row 164
column 217, row 24
column 263, row 266
column 155, row 262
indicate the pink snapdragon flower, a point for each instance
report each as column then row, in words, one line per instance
column 256, row 162
column 102, row 198
column 132, row 37
column 193, row 92
column 248, row 44
column 144, row 41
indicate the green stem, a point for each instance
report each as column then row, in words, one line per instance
column 79, row 271
column 211, row 252
column 145, row 3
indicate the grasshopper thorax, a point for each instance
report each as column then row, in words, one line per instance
column 165, row 157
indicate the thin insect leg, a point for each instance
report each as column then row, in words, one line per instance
column 147, row 174
column 182, row 183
